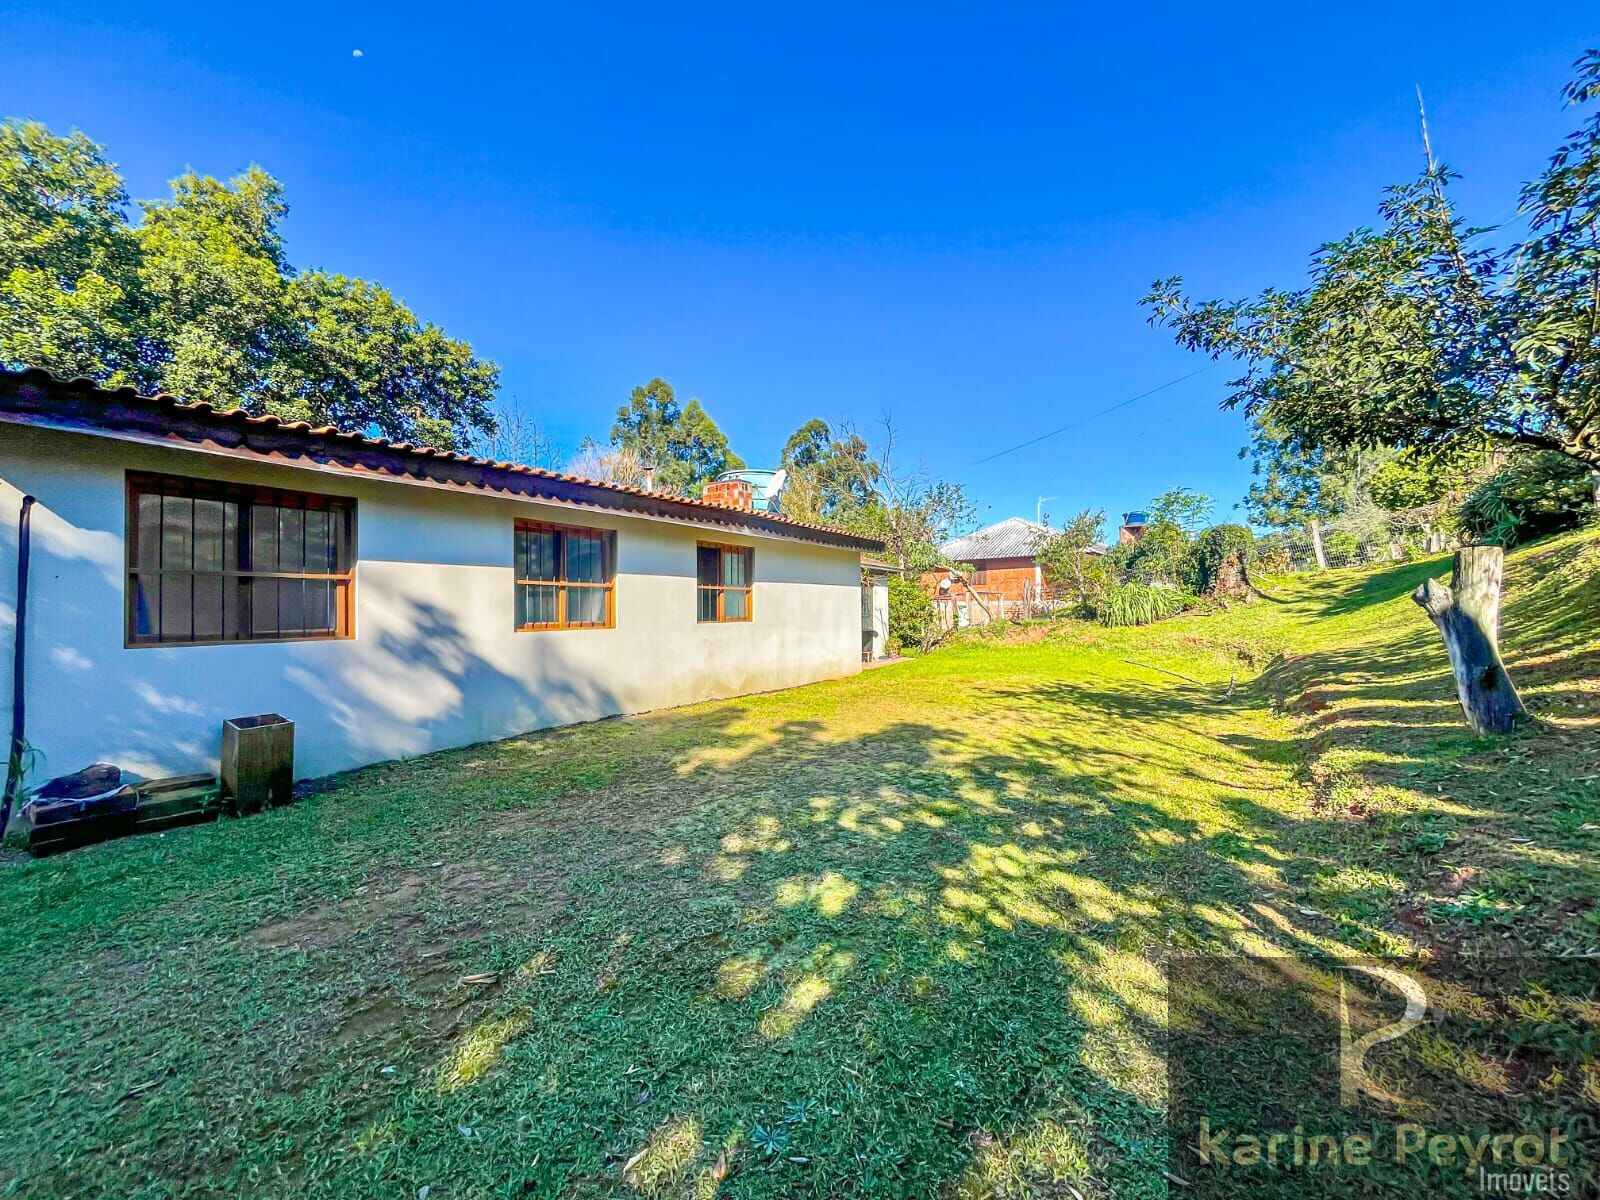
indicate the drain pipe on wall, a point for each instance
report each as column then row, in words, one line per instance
column 19, row 649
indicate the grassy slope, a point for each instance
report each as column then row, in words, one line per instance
column 894, row 934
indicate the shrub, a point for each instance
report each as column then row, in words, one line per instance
column 1157, row 557
column 911, row 615
column 1139, row 604
column 1537, row 493
column 1219, row 561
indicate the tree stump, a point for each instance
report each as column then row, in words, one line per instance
column 1467, row 614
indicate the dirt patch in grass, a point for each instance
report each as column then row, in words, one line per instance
column 393, row 907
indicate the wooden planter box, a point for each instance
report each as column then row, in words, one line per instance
column 257, row 762
column 158, row 804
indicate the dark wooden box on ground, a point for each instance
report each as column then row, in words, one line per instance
column 257, row 761
column 158, row 804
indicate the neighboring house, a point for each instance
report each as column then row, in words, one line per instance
column 191, row 565
column 1005, row 577
column 1004, row 565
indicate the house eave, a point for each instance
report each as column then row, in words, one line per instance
column 38, row 399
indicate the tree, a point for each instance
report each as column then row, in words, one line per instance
column 1157, row 557
column 610, row 464
column 360, row 359
column 1416, row 479
column 518, row 437
column 199, row 299
column 1066, row 562
column 1417, row 334
column 683, row 444
column 214, row 276
column 912, row 620
column 912, row 512
column 1218, row 564
column 69, row 287
column 1290, row 489
column 1467, row 615
column 1184, row 507
column 831, row 478
column 807, row 446
column 1422, row 335
column 841, row 479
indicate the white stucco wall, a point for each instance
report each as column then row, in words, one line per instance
column 435, row 661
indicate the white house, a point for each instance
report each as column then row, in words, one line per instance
column 191, row 565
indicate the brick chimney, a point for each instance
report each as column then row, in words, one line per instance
column 735, row 493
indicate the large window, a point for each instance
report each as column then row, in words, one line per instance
column 213, row 562
column 566, row 577
column 724, row 582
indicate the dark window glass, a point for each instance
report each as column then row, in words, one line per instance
column 565, row 576
column 212, row 562
column 723, row 579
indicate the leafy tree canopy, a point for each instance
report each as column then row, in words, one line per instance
column 682, row 443
column 1420, row 334
column 1412, row 479
column 840, row 478
column 1184, row 507
column 832, row 478
column 199, row 299
column 1292, row 485
column 1064, row 558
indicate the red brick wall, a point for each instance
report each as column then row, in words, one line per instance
column 1007, row 578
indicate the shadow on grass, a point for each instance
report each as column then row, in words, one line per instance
column 899, row 935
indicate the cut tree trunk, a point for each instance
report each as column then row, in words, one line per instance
column 1467, row 614
column 1316, row 545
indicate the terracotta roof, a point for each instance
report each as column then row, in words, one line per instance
column 1011, row 538
column 36, row 397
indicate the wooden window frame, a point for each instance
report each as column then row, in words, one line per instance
column 608, row 569
column 749, row 589
column 142, row 483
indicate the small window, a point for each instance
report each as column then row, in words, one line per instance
column 724, row 582
column 566, row 577
column 214, row 562
column 980, row 575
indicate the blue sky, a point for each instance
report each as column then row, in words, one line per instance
column 944, row 213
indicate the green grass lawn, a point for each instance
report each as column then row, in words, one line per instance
column 899, row 934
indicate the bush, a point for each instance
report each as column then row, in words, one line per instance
column 1219, row 561
column 1139, row 604
column 1538, row 493
column 911, row 615
column 1157, row 557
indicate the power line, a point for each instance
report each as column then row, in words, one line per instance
column 1090, row 417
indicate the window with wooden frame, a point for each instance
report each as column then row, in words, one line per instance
column 211, row 563
column 566, row 577
column 980, row 575
column 724, row 582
